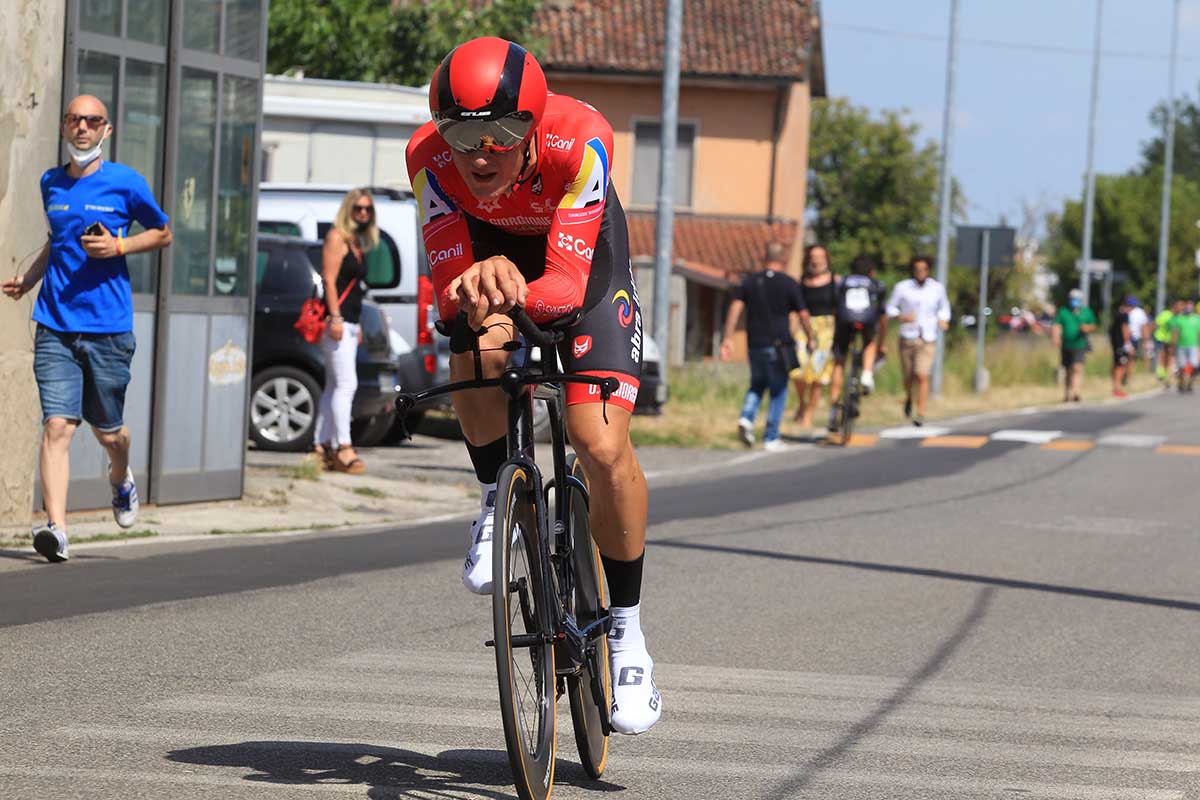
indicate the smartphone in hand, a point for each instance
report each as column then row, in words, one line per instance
column 93, row 230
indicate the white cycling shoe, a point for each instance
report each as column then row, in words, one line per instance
column 868, row 382
column 477, row 566
column 636, row 703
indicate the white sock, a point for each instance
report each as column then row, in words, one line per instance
column 487, row 496
column 626, row 633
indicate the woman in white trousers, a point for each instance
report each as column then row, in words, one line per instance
column 344, row 271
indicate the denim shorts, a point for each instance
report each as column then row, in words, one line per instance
column 83, row 376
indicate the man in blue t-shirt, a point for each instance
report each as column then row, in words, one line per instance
column 84, row 311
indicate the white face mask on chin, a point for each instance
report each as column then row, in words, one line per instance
column 84, row 157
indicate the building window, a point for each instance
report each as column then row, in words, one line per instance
column 647, row 141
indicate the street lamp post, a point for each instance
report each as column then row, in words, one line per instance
column 945, row 194
column 1164, row 229
column 1090, row 193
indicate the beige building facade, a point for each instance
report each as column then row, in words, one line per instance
column 31, row 50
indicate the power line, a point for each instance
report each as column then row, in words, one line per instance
column 997, row 44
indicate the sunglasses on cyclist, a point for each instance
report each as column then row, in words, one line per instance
column 93, row 121
column 491, row 135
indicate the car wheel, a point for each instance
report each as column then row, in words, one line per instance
column 371, row 431
column 283, row 409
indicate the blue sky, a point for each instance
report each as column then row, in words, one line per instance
column 1021, row 118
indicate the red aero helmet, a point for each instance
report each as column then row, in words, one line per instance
column 487, row 94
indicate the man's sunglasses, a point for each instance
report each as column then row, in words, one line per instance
column 93, row 121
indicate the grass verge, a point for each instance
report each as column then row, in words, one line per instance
column 276, row 529
column 706, row 397
column 9, row 544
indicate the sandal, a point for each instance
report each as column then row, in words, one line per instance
column 353, row 467
column 325, row 456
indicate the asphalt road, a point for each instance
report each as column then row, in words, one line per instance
column 985, row 618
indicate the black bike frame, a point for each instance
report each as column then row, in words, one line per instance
column 522, row 384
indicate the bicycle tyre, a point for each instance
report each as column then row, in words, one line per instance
column 587, row 718
column 850, row 397
column 525, row 675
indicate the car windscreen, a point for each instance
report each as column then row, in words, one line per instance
column 289, row 272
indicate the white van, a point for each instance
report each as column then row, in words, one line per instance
column 397, row 271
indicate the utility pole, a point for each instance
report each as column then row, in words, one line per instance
column 1089, row 202
column 665, row 220
column 946, row 200
column 1164, row 226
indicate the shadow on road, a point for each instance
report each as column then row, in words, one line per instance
column 829, row 758
column 388, row 772
column 940, row 574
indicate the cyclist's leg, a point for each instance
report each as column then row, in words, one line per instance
column 608, row 341
column 868, row 358
column 842, row 339
column 481, row 412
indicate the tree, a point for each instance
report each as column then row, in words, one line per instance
column 1187, row 140
column 1125, row 231
column 384, row 42
column 871, row 188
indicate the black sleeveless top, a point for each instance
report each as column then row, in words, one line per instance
column 352, row 268
column 821, row 300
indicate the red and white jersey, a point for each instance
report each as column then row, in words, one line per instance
column 563, row 201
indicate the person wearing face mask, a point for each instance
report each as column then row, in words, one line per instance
column 353, row 234
column 1072, row 324
column 921, row 305
column 84, row 311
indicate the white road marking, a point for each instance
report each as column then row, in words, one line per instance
column 1026, row 436
column 913, row 432
column 1130, row 440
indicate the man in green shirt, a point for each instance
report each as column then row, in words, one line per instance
column 1162, row 340
column 1185, row 335
column 1072, row 324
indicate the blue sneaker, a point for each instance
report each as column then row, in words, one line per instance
column 50, row 542
column 125, row 501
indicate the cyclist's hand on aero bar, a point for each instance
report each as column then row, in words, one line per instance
column 491, row 286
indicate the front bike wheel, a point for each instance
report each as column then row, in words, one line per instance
column 588, row 711
column 850, row 398
column 522, row 621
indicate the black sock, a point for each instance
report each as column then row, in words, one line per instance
column 624, row 580
column 488, row 459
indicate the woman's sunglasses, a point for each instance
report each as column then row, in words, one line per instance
column 93, row 121
column 361, row 209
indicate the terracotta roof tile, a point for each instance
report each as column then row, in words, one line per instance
column 721, row 38
column 714, row 245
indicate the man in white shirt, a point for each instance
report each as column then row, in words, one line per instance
column 921, row 305
column 1139, row 321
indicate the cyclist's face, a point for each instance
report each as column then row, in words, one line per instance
column 489, row 174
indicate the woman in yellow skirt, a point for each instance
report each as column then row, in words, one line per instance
column 819, row 285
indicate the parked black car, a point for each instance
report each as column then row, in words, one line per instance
column 288, row 372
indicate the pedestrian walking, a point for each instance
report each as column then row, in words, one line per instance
column 1139, row 332
column 354, row 233
column 769, row 297
column 818, row 285
column 1072, row 324
column 1163, row 350
column 84, row 312
column 1185, row 336
column 920, row 304
column 1120, row 335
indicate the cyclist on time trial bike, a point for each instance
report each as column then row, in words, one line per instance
column 861, row 311
column 517, row 209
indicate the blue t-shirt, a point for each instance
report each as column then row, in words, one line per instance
column 81, row 294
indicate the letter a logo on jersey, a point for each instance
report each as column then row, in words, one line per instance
column 436, row 207
column 585, row 196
